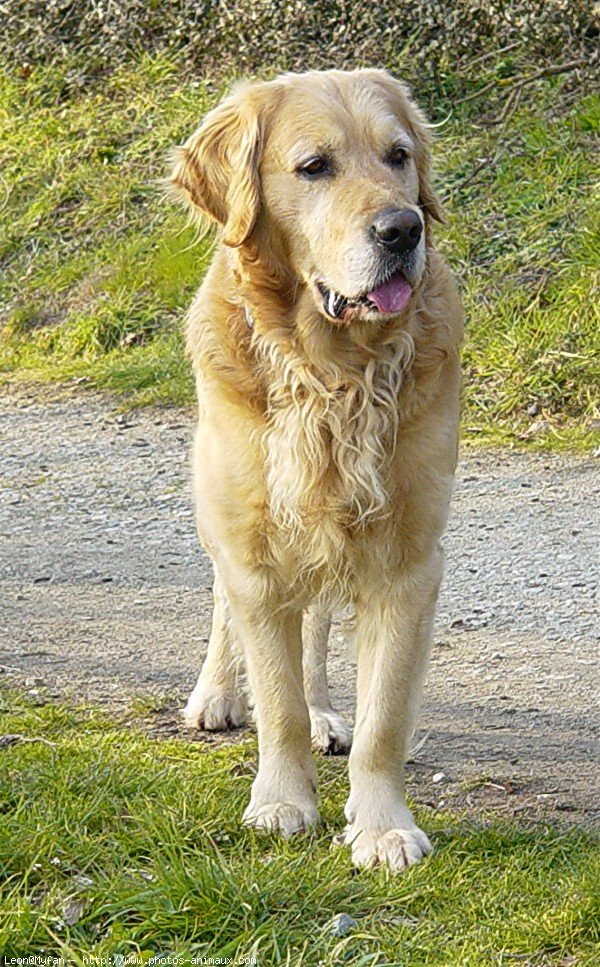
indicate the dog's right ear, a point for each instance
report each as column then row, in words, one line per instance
column 216, row 170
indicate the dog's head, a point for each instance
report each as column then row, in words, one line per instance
column 331, row 171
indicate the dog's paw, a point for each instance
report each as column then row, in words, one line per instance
column 286, row 818
column 283, row 797
column 215, row 710
column 396, row 848
column 328, row 731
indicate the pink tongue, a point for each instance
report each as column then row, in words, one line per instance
column 392, row 296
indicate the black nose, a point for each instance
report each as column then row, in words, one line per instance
column 397, row 231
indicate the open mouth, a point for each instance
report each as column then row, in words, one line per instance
column 389, row 298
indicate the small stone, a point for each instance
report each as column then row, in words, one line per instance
column 341, row 925
column 72, row 912
column 536, row 429
column 32, row 682
column 438, row 777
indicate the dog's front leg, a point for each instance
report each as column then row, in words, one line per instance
column 284, row 791
column 393, row 637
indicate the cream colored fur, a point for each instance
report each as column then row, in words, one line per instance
column 326, row 448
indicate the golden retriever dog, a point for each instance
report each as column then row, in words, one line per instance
column 325, row 342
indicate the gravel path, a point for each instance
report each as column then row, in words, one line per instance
column 105, row 593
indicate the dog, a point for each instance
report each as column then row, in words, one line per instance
column 325, row 340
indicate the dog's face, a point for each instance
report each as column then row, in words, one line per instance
column 331, row 169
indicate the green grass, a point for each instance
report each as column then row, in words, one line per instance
column 112, row 842
column 98, row 266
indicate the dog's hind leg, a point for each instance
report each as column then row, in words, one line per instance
column 329, row 732
column 219, row 701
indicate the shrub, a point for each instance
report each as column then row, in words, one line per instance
column 430, row 40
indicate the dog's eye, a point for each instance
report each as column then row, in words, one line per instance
column 314, row 167
column 397, row 157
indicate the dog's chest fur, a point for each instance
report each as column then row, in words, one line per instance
column 329, row 444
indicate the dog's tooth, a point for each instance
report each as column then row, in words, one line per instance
column 334, row 303
column 340, row 305
column 331, row 300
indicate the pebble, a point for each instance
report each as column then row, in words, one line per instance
column 341, row 925
column 72, row 912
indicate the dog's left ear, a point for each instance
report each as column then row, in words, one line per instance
column 216, row 170
column 428, row 199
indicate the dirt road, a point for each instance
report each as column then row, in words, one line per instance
column 105, row 593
